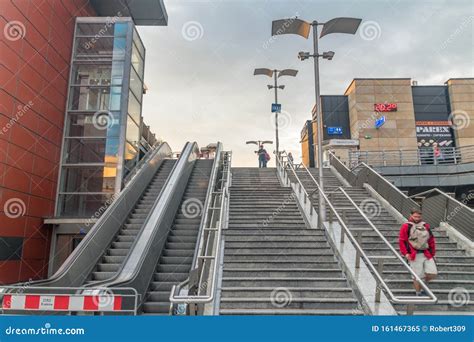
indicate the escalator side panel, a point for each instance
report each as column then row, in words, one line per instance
column 83, row 259
column 139, row 267
column 118, row 250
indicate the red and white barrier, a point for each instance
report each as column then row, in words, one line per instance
column 62, row 302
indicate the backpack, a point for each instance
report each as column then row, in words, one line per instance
column 267, row 156
column 418, row 235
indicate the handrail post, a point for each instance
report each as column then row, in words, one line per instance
column 330, row 210
column 343, row 221
column 410, row 309
column 378, row 288
column 358, row 239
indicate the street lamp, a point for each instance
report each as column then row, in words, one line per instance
column 276, row 74
column 258, row 142
column 303, row 28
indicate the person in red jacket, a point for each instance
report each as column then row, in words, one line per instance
column 418, row 245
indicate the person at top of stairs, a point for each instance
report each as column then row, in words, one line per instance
column 263, row 157
column 418, row 245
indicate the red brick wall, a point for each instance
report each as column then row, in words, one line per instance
column 35, row 51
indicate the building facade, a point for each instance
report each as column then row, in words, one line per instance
column 395, row 115
column 62, row 77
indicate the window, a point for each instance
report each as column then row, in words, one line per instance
column 134, row 107
column 88, row 179
column 137, row 62
column 136, row 84
column 133, row 132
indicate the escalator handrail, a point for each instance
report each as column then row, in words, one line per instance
column 130, row 269
column 162, row 152
column 102, row 282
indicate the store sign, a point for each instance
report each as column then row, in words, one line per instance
column 334, row 130
column 430, row 132
column 385, row 107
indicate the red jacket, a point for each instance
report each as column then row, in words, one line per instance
column 407, row 248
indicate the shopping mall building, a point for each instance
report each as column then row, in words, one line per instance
column 419, row 136
column 71, row 127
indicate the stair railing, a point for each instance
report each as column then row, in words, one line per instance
column 439, row 207
column 202, row 282
column 410, row 301
column 401, row 202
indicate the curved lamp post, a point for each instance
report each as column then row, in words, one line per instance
column 303, row 28
column 276, row 74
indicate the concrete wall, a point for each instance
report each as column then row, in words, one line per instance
column 461, row 95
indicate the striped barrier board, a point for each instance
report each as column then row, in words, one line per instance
column 62, row 302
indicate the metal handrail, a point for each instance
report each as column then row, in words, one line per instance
column 380, row 281
column 450, row 155
column 205, row 210
column 353, row 179
column 389, row 245
column 175, row 297
column 422, row 194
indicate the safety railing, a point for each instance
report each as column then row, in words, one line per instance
column 439, row 207
column 421, row 156
column 68, row 300
column 376, row 271
column 201, row 285
column 363, row 173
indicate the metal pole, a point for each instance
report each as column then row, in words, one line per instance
column 322, row 206
column 277, row 143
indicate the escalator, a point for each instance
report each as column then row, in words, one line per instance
column 164, row 251
column 116, row 253
column 139, row 248
column 175, row 261
column 104, row 249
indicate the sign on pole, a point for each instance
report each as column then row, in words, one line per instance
column 276, row 107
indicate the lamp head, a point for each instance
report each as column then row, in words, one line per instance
column 328, row 55
column 303, row 55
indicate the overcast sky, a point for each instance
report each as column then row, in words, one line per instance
column 199, row 68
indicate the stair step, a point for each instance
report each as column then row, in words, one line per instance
column 274, row 311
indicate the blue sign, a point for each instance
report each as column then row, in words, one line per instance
column 334, row 130
column 276, row 107
column 380, row 121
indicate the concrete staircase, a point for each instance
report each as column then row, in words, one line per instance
column 273, row 263
column 456, row 269
column 119, row 248
column 175, row 262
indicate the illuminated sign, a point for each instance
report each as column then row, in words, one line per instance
column 385, row 107
column 380, row 121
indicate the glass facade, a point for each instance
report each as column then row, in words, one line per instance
column 103, row 118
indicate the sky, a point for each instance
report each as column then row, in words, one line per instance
column 199, row 68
